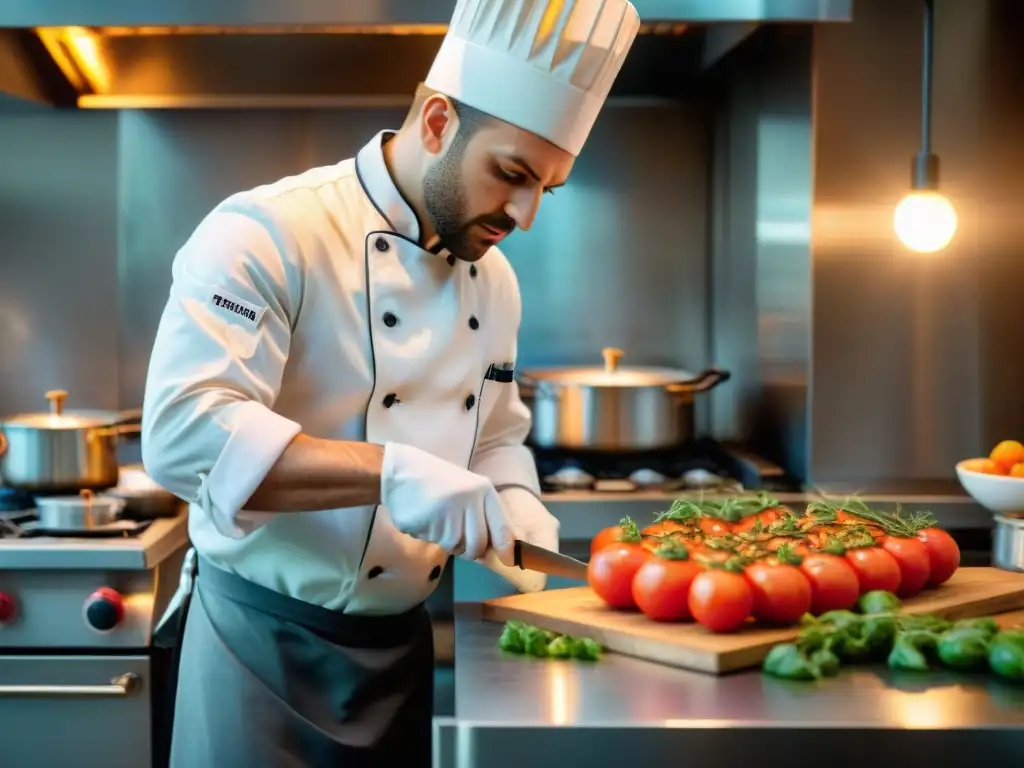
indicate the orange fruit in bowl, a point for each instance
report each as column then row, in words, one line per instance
column 1017, row 470
column 1007, row 454
column 985, row 466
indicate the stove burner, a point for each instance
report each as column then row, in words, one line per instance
column 15, row 501
column 24, row 525
column 702, row 463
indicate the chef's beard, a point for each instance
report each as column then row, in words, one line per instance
column 444, row 193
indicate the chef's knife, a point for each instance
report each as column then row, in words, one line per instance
column 533, row 558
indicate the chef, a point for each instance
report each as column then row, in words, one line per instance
column 332, row 389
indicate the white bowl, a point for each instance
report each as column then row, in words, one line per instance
column 997, row 493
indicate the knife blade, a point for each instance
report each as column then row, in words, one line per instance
column 530, row 557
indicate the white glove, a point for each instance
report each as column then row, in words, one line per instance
column 434, row 500
column 531, row 522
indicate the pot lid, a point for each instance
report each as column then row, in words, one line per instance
column 56, row 418
column 612, row 375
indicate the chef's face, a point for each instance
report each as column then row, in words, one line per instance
column 485, row 177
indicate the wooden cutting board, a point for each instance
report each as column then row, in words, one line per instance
column 972, row 592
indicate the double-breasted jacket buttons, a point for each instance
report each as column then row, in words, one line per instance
column 390, row 399
column 374, row 572
column 470, row 401
column 390, row 320
column 381, row 244
column 473, row 322
column 435, row 573
column 472, row 270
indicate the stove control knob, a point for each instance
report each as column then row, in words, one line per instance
column 104, row 609
column 8, row 609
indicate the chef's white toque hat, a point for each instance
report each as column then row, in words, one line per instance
column 545, row 66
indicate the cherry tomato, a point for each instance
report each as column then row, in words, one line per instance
column 605, row 537
column 666, row 526
column 713, row 527
column 876, row 569
column 943, row 555
column 661, row 588
column 796, row 545
column 720, row 600
column 833, row 581
column 782, row 593
column 611, row 571
column 913, row 560
column 766, row 517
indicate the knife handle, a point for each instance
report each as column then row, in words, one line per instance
column 517, row 554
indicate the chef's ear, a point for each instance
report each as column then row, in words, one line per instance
column 438, row 123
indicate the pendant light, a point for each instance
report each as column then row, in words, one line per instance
column 924, row 220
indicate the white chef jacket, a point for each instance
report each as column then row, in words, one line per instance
column 307, row 304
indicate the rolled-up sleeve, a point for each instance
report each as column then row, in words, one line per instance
column 209, row 431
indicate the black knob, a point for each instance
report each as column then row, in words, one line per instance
column 102, row 615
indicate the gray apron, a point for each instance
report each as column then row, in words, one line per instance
column 268, row 681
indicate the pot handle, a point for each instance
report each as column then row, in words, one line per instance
column 709, row 379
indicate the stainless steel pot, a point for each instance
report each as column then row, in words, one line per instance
column 63, row 452
column 77, row 513
column 613, row 408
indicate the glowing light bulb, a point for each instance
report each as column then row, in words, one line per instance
column 925, row 221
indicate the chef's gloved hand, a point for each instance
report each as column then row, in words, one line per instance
column 434, row 500
column 533, row 523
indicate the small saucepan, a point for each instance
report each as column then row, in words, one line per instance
column 60, row 452
column 83, row 512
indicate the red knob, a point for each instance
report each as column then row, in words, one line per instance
column 104, row 609
column 8, row 608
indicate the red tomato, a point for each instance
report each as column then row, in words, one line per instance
column 720, row 600
column 834, row 584
column 796, row 545
column 605, row 537
column 912, row 558
column 661, row 588
column 611, row 570
column 765, row 517
column 714, row 527
column 943, row 555
column 876, row 569
column 665, row 526
column 782, row 593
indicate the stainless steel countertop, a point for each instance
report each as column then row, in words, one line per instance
column 162, row 539
column 513, row 710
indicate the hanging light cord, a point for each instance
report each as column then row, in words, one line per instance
column 926, row 78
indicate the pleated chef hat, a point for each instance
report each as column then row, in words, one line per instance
column 545, row 66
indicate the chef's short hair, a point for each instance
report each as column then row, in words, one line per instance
column 471, row 119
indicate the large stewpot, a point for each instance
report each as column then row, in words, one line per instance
column 613, row 408
column 63, row 452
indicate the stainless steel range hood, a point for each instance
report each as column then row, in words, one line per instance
column 296, row 53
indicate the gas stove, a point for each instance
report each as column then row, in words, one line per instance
column 702, row 463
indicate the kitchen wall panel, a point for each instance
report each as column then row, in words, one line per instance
column 916, row 357
column 618, row 257
column 58, row 257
